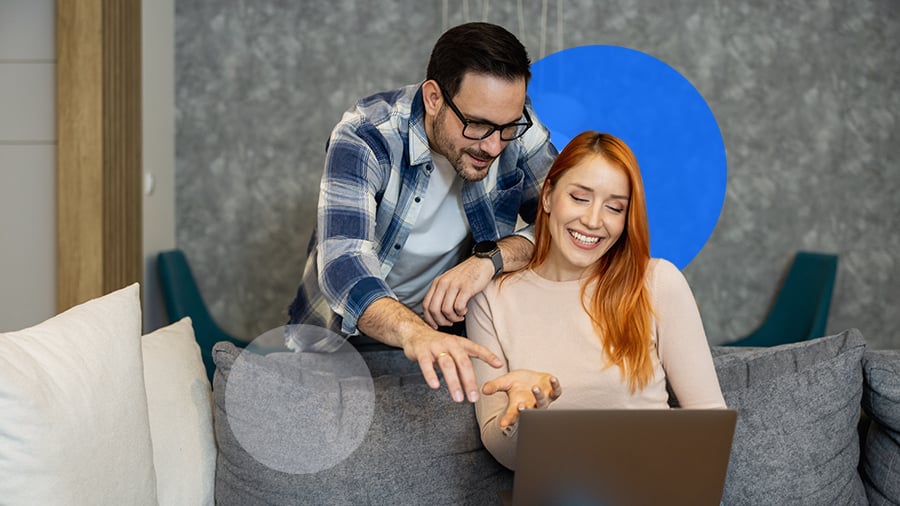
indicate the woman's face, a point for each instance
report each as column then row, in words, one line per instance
column 587, row 207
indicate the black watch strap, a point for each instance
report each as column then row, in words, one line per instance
column 489, row 249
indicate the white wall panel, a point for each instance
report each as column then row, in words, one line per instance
column 158, row 149
column 27, row 102
column 27, row 234
column 27, row 163
column 26, row 30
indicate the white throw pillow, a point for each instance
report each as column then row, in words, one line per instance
column 73, row 409
column 179, row 398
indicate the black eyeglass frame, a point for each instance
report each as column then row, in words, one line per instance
column 493, row 127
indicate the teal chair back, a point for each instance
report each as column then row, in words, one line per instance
column 800, row 311
column 182, row 298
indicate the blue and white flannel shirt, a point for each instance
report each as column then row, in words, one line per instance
column 377, row 165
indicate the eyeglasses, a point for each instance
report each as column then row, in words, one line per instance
column 478, row 130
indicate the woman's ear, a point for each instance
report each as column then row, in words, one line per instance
column 545, row 199
column 431, row 95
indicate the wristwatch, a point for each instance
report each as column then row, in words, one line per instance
column 489, row 249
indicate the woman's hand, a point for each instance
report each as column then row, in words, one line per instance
column 526, row 390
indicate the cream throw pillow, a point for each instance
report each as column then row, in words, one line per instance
column 73, row 409
column 180, row 403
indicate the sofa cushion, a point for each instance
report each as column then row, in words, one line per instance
column 179, row 400
column 881, row 452
column 421, row 447
column 73, row 408
column 798, row 407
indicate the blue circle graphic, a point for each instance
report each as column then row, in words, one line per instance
column 664, row 120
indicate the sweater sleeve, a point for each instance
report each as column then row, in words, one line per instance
column 681, row 340
column 489, row 409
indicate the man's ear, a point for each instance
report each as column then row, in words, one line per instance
column 431, row 95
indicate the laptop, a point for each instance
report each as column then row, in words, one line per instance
column 627, row 457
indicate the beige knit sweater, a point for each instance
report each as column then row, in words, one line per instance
column 534, row 323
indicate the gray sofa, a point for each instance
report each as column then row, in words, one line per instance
column 797, row 440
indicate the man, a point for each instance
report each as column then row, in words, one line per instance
column 412, row 177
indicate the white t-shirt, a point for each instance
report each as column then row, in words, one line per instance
column 436, row 242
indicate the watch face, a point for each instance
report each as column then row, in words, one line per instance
column 484, row 247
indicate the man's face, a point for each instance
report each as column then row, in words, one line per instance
column 484, row 99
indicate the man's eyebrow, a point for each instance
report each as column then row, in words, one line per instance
column 479, row 119
column 489, row 122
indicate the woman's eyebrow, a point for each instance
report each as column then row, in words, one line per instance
column 583, row 187
column 591, row 190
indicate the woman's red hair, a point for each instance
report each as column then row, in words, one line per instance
column 620, row 307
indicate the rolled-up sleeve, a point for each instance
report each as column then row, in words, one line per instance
column 349, row 269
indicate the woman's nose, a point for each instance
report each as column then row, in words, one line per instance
column 593, row 217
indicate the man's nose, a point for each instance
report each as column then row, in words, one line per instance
column 492, row 144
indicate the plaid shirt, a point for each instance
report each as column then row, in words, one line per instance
column 377, row 164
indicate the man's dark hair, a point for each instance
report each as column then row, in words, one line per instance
column 482, row 48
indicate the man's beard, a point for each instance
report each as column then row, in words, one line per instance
column 455, row 156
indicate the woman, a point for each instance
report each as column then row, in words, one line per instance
column 592, row 312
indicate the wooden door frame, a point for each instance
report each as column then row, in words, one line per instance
column 98, row 150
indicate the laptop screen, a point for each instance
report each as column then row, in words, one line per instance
column 622, row 457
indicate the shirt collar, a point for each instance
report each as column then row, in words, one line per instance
column 419, row 151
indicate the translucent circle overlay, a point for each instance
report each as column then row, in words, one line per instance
column 664, row 120
column 302, row 411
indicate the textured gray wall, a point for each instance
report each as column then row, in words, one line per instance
column 806, row 93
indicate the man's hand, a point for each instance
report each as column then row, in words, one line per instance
column 452, row 354
column 393, row 323
column 526, row 390
column 449, row 294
